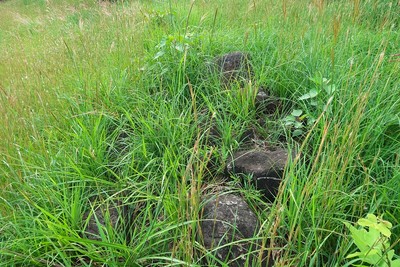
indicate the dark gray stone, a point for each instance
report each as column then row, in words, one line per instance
column 234, row 67
column 266, row 167
column 265, row 103
column 226, row 220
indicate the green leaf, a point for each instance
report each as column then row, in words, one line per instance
column 162, row 43
column 159, row 54
column 179, row 47
column 387, row 224
column 330, row 89
column 373, row 243
column 372, row 259
column 390, row 254
column 171, row 38
column 353, row 255
column 372, row 221
column 395, row 263
column 383, row 230
column 297, row 132
column 372, row 256
column 372, row 217
column 311, row 121
column 364, row 240
column 317, row 79
column 297, row 112
column 289, row 119
column 298, row 125
column 368, row 221
column 311, row 94
column 358, row 237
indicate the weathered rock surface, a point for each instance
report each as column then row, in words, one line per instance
column 227, row 219
column 234, row 67
column 266, row 167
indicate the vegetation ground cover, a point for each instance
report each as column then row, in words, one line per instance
column 76, row 74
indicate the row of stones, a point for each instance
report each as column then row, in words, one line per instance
column 226, row 219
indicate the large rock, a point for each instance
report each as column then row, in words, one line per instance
column 234, row 67
column 226, row 221
column 266, row 168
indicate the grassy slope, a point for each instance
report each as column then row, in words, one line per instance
column 73, row 74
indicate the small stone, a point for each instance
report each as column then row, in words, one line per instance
column 266, row 168
column 226, row 220
column 234, row 67
column 265, row 103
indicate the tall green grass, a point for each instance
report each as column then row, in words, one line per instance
column 104, row 100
